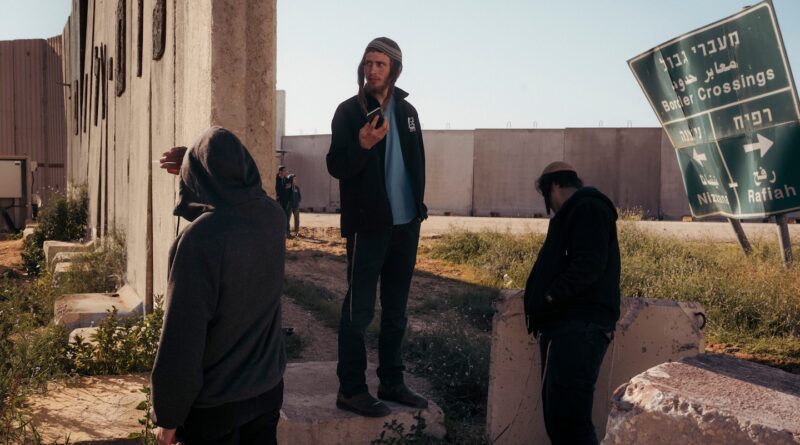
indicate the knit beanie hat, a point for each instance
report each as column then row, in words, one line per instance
column 386, row 46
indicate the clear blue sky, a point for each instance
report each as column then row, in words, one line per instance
column 469, row 63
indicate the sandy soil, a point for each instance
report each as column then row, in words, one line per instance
column 10, row 255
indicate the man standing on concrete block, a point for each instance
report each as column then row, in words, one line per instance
column 378, row 157
column 572, row 300
column 218, row 374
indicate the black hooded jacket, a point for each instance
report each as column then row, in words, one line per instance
column 222, row 340
column 578, row 266
column 361, row 175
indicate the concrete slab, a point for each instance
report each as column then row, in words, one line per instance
column 28, row 231
column 310, row 414
column 59, row 270
column 649, row 332
column 86, row 310
column 52, row 248
column 90, row 410
column 63, row 257
column 86, row 335
column 709, row 399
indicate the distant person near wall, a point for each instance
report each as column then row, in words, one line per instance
column 218, row 374
column 572, row 300
column 294, row 203
column 378, row 157
column 283, row 193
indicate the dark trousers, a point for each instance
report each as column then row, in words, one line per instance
column 287, row 209
column 293, row 210
column 570, row 367
column 253, row 421
column 388, row 254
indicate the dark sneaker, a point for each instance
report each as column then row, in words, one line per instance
column 363, row 404
column 403, row 395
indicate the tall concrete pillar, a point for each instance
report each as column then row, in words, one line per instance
column 226, row 73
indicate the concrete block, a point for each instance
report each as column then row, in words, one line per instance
column 709, row 399
column 86, row 334
column 28, row 231
column 52, row 248
column 86, row 310
column 648, row 333
column 63, row 257
column 310, row 415
column 59, row 270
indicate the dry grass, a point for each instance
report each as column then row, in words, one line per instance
column 752, row 303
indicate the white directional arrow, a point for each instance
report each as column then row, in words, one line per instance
column 699, row 157
column 763, row 145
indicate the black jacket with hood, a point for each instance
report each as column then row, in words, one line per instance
column 361, row 173
column 222, row 340
column 578, row 267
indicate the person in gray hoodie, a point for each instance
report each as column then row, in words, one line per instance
column 218, row 374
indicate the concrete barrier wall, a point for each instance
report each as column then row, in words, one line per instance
column 674, row 203
column 493, row 172
column 507, row 164
column 448, row 171
column 305, row 157
column 639, row 161
column 650, row 332
column 217, row 68
column 32, row 121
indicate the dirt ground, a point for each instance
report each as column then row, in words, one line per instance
column 318, row 257
column 10, row 255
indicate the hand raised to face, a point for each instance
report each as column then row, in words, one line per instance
column 171, row 160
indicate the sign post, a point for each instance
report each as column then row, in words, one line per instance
column 726, row 99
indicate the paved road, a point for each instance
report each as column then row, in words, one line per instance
column 699, row 231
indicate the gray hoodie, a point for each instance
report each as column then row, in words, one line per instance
column 222, row 340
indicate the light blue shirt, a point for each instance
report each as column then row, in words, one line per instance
column 398, row 185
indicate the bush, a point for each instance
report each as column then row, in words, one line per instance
column 119, row 346
column 494, row 254
column 62, row 219
column 102, row 270
column 475, row 306
column 456, row 361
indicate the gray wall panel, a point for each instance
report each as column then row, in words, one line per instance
column 507, row 164
column 448, row 171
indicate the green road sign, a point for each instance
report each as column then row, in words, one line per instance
column 727, row 101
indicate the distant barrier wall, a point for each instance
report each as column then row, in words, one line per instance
column 492, row 172
column 32, row 121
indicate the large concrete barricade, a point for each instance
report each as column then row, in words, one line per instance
column 709, row 399
column 649, row 332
